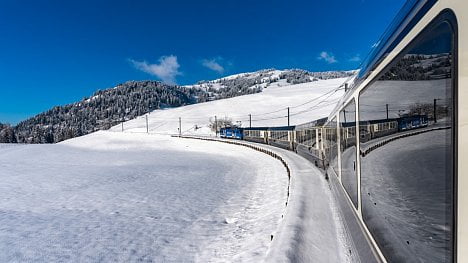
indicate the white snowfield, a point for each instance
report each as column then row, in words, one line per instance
column 274, row 98
column 115, row 196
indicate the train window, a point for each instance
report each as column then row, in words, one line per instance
column 312, row 138
column 406, row 148
column 330, row 145
column 348, row 151
column 306, row 137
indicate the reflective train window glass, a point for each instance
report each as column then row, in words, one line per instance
column 330, row 145
column 310, row 137
column 405, row 124
column 348, row 151
column 306, row 137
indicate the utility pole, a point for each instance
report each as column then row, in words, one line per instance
column 216, row 126
column 250, row 120
column 288, row 116
column 435, row 110
column 147, row 128
column 386, row 106
column 180, row 127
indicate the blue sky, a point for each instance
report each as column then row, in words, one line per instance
column 57, row 52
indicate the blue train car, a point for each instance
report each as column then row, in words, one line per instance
column 231, row 132
column 412, row 122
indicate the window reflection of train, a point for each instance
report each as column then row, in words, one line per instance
column 402, row 200
column 306, row 139
column 412, row 122
column 372, row 129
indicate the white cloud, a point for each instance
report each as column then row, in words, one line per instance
column 167, row 69
column 328, row 57
column 213, row 64
column 355, row 58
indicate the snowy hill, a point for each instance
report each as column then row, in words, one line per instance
column 262, row 79
column 128, row 100
column 307, row 102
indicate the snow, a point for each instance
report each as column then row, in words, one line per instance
column 120, row 197
column 269, row 74
column 312, row 230
column 4, row 146
column 94, row 97
column 130, row 196
column 274, row 98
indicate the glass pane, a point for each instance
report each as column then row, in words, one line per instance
column 406, row 152
column 330, row 144
column 348, row 151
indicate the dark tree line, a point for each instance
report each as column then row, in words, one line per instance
column 414, row 67
column 298, row 76
column 7, row 134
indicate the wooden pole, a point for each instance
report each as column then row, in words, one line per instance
column 180, row 126
column 147, row 128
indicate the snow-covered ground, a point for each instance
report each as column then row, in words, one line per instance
column 131, row 196
column 272, row 99
column 135, row 197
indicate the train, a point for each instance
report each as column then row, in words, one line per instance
column 231, row 132
column 306, row 139
column 394, row 149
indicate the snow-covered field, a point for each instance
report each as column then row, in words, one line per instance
column 136, row 197
column 274, row 99
column 130, row 196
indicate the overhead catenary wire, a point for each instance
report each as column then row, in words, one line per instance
column 315, row 106
column 335, row 89
column 329, row 93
